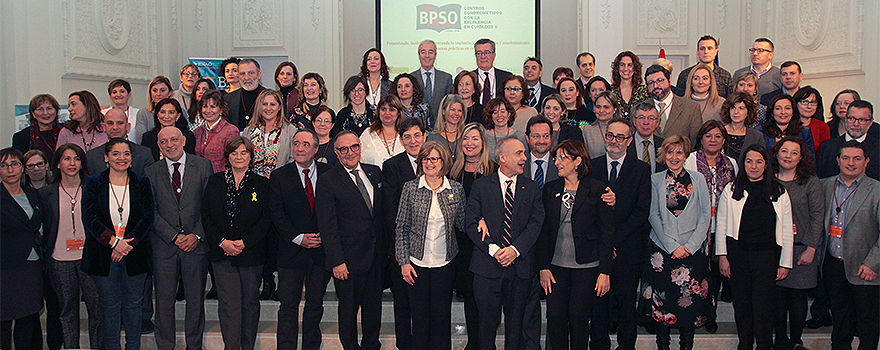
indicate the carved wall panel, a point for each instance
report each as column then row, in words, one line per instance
column 257, row 24
column 109, row 39
column 665, row 20
column 824, row 36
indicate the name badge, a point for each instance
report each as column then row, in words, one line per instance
column 120, row 231
column 714, row 210
column 75, row 244
column 794, row 229
column 835, row 231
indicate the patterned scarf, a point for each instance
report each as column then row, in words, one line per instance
column 232, row 193
column 265, row 149
column 718, row 178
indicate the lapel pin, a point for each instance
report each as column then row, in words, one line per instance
column 253, row 197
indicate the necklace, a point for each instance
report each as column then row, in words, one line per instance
column 248, row 111
column 119, row 203
column 385, row 142
column 323, row 158
column 87, row 144
column 72, row 204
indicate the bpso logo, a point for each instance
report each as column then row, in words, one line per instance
column 438, row 18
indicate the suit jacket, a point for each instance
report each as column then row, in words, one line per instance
column 442, row 85
column 99, row 226
column 149, row 139
column 351, row 233
column 551, row 174
column 234, row 100
column 826, row 160
column 500, row 75
column 19, row 234
column 765, row 98
column 684, row 119
column 633, row 192
column 655, row 143
column 292, row 216
column 585, row 93
column 51, row 212
column 545, row 91
column 486, row 202
column 188, row 210
column 396, row 171
column 861, row 240
column 250, row 224
column 141, row 157
column 592, row 225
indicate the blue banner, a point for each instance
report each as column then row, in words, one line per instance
column 210, row 68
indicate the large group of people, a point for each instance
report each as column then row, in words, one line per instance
column 623, row 203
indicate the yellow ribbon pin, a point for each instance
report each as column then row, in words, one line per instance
column 253, row 197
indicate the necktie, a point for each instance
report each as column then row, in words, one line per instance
column 612, row 178
column 487, row 90
column 429, row 87
column 310, row 193
column 646, row 156
column 661, row 107
column 362, row 189
column 539, row 173
column 508, row 213
column 534, row 100
column 175, row 180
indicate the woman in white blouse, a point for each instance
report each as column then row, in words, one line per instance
column 380, row 141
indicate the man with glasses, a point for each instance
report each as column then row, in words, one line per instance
column 490, row 77
column 348, row 203
column 859, row 122
column 189, row 75
column 435, row 83
column 707, row 50
column 791, row 75
column 678, row 115
column 645, row 141
column 760, row 55
column 242, row 101
column 630, row 180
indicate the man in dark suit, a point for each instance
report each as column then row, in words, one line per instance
column 490, row 77
column 179, row 254
column 859, row 118
column 503, row 258
column 349, row 208
column 533, row 69
column 242, row 102
column 645, row 140
column 396, row 171
column 300, row 253
column 678, row 115
column 791, row 76
column 630, row 180
column 586, row 68
column 435, row 83
column 116, row 125
column 852, row 254
column 540, row 166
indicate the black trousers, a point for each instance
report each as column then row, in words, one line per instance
column 430, row 299
column 532, row 316
column 464, row 284
column 508, row 293
column 752, row 280
column 290, row 287
column 624, row 288
column 26, row 335
column 570, row 307
column 403, row 329
column 789, row 315
column 851, row 306
column 360, row 291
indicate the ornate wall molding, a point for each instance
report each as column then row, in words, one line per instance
column 257, row 24
column 665, row 20
column 199, row 15
column 606, row 13
column 722, row 13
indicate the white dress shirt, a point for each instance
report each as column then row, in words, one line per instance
column 435, row 234
column 313, row 175
column 170, row 164
column 608, row 161
column 365, row 179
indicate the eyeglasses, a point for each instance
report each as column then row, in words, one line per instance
column 759, row 51
column 433, row 160
column 808, row 103
column 858, row 120
column 483, row 53
column 619, row 137
column 322, row 121
column 190, row 74
column 344, row 149
column 39, row 164
column 641, row 118
column 359, row 91
column 512, row 88
column 13, row 165
column 655, row 82
column 409, row 137
column 564, row 157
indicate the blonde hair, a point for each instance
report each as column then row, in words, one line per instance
column 713, row 89
column 257, row 120
column 670, row 143
column 486, row 164
column 445, row 105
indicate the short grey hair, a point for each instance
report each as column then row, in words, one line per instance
column 250, row 61
column 485, row 41
column 643, row 106
column 500, row 146
column 311, row 132
column 428, row 41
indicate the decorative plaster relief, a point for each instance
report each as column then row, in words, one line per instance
column 257, row 24
column 112, row 21
column 665, row 20
column 822, row 46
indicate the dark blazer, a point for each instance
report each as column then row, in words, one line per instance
column 250, row 224
column 500, row 75
column 475, row 114
column 292, row 216
column 486, row 202
column 826, row 159
column 442, row 85
column 19, row 234
column 765, row 98
column 150, row 138
column 585, row 92
column 591, row 225
column 633, row 192
column 350, row 233
column 187, row 211
column 396, row 171
column 51, row 212
column 234, row 100
column 141, row 157
column 684, row 119
column 656, row 142
column 569, row 132
column 99, row 227
column 545, row 91
column 552, row 172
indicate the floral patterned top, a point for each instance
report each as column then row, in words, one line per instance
column 678, row 191
column 421, row 111
column 266, row 147
column 639, row 94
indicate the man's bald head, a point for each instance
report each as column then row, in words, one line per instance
column 170, row 141
column 116, row 123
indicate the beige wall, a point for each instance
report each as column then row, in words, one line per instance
column 58, row 47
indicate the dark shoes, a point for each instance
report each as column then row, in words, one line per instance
column 180, row 295
column 268, row 289
column 711, row 327
column 147, row 327
column 816, row 323
column 212, row 294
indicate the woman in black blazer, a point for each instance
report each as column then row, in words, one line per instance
column 235, row 205
column 116, row 249
column 554, row 109
column 21, row 279
column 168, row 113
column 575, row 250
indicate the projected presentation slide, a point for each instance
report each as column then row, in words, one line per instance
column 455, row 26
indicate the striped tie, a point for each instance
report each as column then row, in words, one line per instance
column 508, row 212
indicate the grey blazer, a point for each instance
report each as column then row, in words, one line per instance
column 861, row 236
column 688, row 229
column 412, row 219
column 169, row 212
column 442, row 86
column 285, row 140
